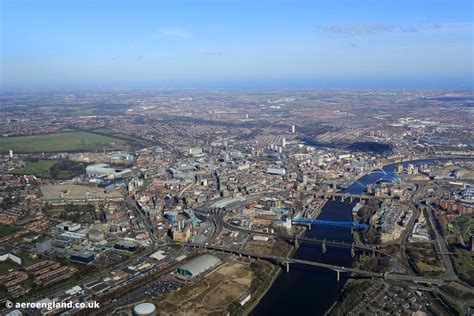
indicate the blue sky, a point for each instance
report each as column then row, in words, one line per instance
column 236, row 44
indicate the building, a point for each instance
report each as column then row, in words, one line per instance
column 182, row 234
column 73, row 236
column 244, row 298
column 43, row 246
column 144, row 309
column 400, row 168
column 82, row 257
column 197, row 266
column 125, row 245
column 276, row 171
column 9, row 256
column 69, row 227
column 104, row 170
column 195, row 151
column 270, row 202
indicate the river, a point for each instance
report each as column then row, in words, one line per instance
column 311, row 290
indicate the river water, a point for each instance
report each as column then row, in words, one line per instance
column 309, row 290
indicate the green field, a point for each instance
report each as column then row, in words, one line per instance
column 60, row 142
column 462, row 227
column 7, row 229
column 54, row 169
column 6, row 266
column 40, row 168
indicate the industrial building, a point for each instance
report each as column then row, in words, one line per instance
column 198, row 266
column 125, row 245
column 82, row 257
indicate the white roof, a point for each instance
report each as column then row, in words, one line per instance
column 76, row 289
column 159, row 255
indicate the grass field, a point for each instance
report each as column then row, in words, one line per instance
column 7, row 229
column 58, row 142
column 462, row 226
column 6, row 266
column 40, row 168
column 54, row 169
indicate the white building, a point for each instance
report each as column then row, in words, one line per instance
column 276, row 171
column 104, row 170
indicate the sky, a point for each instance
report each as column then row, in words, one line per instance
column 85, row 44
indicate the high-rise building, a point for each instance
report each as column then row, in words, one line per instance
column 283, row 142
column 305, row 180
column 293, row 129
column 400, row 168
column 10, row 153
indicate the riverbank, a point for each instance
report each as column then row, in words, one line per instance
column 257, row 297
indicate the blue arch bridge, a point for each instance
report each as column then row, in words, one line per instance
column 315, row 221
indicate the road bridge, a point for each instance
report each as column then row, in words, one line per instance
column 334, row 243
column 286, row 261
column 315, row 221
column 347, row 196
column 304, row 240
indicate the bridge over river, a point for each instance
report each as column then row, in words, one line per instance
column 315, row 221
column 286, row 261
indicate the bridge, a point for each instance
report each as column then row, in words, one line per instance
column 302, row 239
column 343, row 196
column 286, row 261
column 333, row 243
column 305, row 220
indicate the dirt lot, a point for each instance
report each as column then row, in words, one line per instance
column 210, row 296
column 73, row 192
column 277, row 248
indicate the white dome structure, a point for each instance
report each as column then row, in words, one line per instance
column 144, row 309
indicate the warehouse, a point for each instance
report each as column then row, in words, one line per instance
column 198, row 266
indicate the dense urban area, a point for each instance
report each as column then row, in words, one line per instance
column 203, row 202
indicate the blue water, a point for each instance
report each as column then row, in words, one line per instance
column 309, row 290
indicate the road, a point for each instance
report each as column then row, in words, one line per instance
column 288, row 260
column 145, row 220
column 442, row 247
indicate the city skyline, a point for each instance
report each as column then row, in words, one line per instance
column 145, row 44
